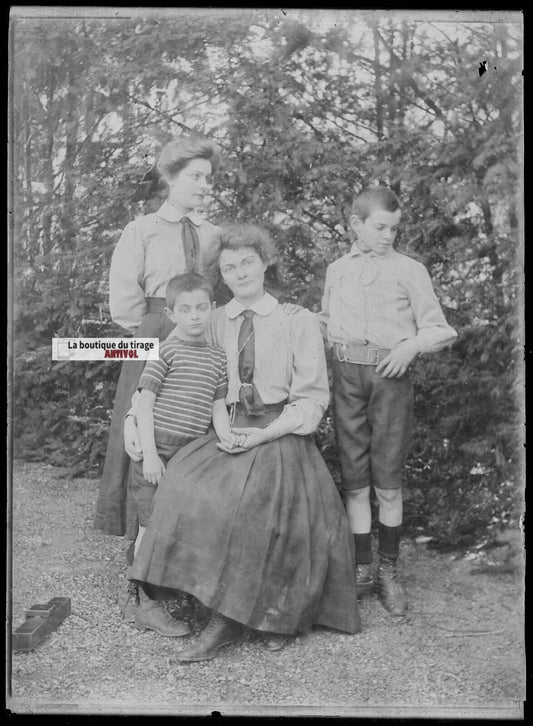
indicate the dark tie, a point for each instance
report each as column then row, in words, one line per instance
column 248, row 394
column 369, row 270
column 191, row 244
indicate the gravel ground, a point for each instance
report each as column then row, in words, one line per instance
column 458, row 653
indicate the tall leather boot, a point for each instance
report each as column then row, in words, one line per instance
column 152, row 615
column 388, row 585
column 275, row 641
column 128, row 598
column 219, row 631
column 128, row 601
column 364, row 575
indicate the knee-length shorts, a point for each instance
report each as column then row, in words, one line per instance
column 373, row 425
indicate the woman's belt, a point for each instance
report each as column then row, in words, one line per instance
column 156, row 304
column 239, row 408
column 367, row 355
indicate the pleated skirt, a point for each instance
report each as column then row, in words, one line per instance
column 261, row 536
column 115, row 509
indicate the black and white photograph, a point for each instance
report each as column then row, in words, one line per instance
column 266, row 363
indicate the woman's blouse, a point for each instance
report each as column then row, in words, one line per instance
column 148, row 254
column 290, row 362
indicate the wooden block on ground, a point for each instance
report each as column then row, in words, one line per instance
column 40, row 621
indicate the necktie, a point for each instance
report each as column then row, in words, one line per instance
column 248, row 394
column 370, row 269
column 191, row 244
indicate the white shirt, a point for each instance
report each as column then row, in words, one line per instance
column 148, row 254
column 383, row 301
column 290, row 362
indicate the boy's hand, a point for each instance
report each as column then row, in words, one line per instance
column 398, row 361
column 153, row 468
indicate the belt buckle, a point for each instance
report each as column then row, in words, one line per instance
column 368, row 354
column 341, row 352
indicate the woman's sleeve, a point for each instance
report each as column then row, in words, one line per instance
column 127, row 302
column 211, row 248
column 323, row 315
column 309, row 391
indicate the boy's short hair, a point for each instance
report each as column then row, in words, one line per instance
column 234, row 237
column 372, row 198
column 187, row 282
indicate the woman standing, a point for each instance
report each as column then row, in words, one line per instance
column 152, row 250
column 258, row 533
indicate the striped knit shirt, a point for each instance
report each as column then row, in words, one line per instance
column 186, row 379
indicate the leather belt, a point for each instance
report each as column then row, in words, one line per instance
column 367, row 355
column 239, row 408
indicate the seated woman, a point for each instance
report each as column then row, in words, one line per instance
column 258, row 533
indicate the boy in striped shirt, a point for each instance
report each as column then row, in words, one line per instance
column 180, row 394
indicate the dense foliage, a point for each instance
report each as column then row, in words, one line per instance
column 307, row 107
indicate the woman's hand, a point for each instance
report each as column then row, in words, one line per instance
column 230, row 440
column 247, row 439
column 291, row 308
column 132, row 441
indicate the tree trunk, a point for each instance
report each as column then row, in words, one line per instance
column 377, row 83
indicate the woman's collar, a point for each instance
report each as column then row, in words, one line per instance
column 264, row 306
column 171, row 214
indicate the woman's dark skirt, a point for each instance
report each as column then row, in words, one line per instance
column 261, row 536
column 115, row 509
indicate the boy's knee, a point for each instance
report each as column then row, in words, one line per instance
column 390, row 506
column 357, row 494
column 388, row 496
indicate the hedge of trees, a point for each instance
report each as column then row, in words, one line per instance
column 308, row 107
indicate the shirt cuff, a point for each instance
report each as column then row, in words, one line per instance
column 149, row 384
column 304, row 415
column 429, row 344
column 221, row 392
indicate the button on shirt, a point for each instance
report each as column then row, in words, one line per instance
column 289, row 359
column 383, row 301
column 148, row 254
